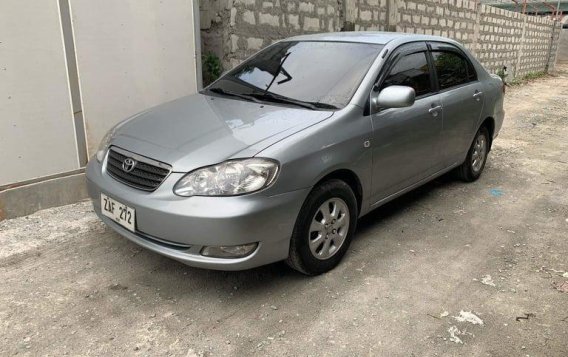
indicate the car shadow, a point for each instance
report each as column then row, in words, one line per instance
column 397, row 206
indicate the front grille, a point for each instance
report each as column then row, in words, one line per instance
column 147, row 174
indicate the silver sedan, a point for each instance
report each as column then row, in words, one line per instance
column 278, row 158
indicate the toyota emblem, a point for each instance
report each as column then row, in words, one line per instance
column 128, row 164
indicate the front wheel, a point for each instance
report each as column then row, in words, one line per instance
column 324, row 228
column 476, row 158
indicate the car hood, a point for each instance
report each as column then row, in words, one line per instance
column 201, row 130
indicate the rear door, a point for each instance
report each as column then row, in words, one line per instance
column 406, row 146
column 462, row 97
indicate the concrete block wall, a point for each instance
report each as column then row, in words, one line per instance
column 449, row 18
column 536, row 45
column 367, row 15
column 215, row 27
column 500, row 38
column 236, row 29
column 258, row 23
column 497, row 37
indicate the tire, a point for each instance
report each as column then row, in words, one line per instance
column 318, row 248
column 470, row 170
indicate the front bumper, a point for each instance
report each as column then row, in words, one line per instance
column 179, row 227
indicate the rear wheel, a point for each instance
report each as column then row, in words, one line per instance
column 324, row 228
column 476, row 158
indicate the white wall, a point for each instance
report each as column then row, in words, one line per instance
column 37, row 135
column 131, row 55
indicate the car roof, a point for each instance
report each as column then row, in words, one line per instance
column 379, row 38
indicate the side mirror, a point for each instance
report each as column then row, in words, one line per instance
column 395, row 97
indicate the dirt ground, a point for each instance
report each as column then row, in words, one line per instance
column 451, row 269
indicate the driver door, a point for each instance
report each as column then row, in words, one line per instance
column 406, row 141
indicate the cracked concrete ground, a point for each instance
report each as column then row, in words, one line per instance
column 449, row 269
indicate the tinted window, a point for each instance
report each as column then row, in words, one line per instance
column 452, row 69
column 309, row 71
column 471, row 73
column 413, row 71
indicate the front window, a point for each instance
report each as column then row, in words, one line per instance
column 318, row 74
column 413, row 71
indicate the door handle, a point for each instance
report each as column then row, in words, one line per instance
column 434, row 110
column 477, row 94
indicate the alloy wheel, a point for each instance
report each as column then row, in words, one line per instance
column 329, row 228
column 479, row 153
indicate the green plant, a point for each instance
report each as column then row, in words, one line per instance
column 502, row 73
column 527, row 78
column 212, row 68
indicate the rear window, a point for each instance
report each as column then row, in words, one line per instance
column 452, row 69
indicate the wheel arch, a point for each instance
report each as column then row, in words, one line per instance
column 350, row 178
column 489, row 123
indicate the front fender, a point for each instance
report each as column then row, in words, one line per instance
column 335, row 144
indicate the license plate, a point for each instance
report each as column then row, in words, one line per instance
column 118, row 212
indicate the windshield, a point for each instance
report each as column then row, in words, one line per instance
column 320, row 74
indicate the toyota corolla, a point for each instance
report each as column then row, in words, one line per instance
column 279, row 158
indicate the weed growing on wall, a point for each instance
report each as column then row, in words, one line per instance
column 212, row 68
column 528, row 78
column 503, row 73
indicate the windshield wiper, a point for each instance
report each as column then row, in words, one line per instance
column 248, row 97
column 285, row 100
column 271, row 97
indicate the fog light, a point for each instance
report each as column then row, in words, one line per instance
column 234, row 251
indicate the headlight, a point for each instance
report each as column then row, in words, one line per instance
column 230, row 178
column 105, row 143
